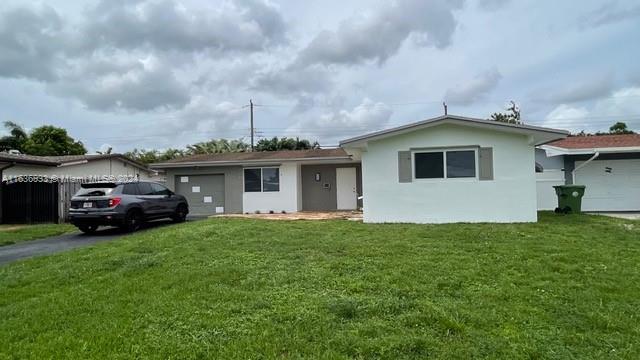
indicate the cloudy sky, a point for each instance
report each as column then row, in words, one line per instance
column 165, row 73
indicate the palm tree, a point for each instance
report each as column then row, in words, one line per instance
column 16, row 138
column 216, row 146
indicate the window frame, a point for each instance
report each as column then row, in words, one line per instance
column 444, row 163
column 261, row 168
column 164, row 189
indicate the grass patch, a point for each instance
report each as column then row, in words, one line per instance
column 565, row 287
column 12, row 234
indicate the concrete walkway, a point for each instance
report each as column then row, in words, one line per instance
column 55, row 244
column 304, row 215
column 622, row 215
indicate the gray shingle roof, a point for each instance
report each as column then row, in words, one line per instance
column 260, row 156
column 60, row 160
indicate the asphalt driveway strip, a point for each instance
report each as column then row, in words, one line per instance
column 55, row 244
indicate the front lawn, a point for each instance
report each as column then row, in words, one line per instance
column 11, row 234
column 566, row 287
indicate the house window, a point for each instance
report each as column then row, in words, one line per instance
column 446, row 164
column 262, row 180
column 429, row 165
column 461, row 164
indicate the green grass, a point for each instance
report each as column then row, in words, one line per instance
column 11, row 234
column 566, row 287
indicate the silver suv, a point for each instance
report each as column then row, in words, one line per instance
column 127, row 205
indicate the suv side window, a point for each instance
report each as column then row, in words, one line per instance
column 145, row 188
column 159, row 189
column 130, row 189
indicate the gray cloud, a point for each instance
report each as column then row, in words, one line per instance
column 608, row 13
column 30, row 43
column 137, row 86
column 335, row 125
column 379, row 35
column 293, row 80
column 203, row 119
column 475, row 89
column 99, row 59
column 492, row 5
column 166, row 25
column 590, row 89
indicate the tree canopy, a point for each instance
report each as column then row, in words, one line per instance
column 620, row 128
column 285, row 143
column 45, row 140
column 216, row 146
column 512, row 116
column 16, row 138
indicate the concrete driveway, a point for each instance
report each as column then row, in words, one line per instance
column 65, row 242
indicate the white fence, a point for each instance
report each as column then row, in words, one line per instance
column 545, row 181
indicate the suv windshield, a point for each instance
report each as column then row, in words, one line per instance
column 94, row 192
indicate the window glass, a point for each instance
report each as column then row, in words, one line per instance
column 159, row 189
column 429, row 165
column 145, row 189
column 461, row 164
column 94, row 192
column 130, row 189
column 252, row 180
column 270, row 179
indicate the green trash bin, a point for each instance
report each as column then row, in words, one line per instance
column 569, row 198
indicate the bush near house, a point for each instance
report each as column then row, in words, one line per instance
column 566, row 287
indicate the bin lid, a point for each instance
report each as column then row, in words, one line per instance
column 569, row 187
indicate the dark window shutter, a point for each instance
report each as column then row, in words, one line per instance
column 404, row 166
column 486, row 163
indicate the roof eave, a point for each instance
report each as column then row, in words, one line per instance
column 244, row 162
column 556, row 150
column 361, row 141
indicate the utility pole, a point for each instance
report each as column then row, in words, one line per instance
column 252, row 131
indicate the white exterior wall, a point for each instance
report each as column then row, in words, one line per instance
column 284, row 200
column 92, row 168
column 510, row 197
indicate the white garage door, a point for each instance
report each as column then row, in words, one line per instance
column 612, row 185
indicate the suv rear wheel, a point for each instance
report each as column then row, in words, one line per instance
column 133, row 220
column 88, row 229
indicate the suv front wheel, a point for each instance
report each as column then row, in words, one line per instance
column 181, row 213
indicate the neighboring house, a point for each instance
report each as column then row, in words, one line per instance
column 275, row 181
column 608, row 165
column 77, row 166
column 26, row 200
column 6, row 162
column 446, row 169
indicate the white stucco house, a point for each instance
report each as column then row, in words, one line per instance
column 445, row 169
column 450, row 169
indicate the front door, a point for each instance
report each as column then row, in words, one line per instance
column 346, row 192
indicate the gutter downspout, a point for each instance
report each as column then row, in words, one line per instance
column 573, row 173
